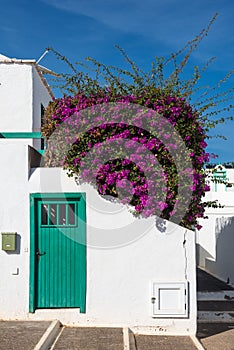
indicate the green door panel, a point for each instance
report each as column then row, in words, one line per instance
column 58, row 251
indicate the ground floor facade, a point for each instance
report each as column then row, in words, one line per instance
column 87, row 261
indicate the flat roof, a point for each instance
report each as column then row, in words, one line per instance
column 40, row 69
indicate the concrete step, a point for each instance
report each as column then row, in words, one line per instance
column 214, row 305
column 90, row 338
column 215, row 316
column 225, row 295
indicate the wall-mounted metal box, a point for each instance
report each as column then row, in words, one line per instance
column 9, row 241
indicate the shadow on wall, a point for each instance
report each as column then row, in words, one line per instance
column 223, row 266
column 201, row 255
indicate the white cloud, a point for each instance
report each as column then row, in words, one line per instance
column 164, row 24
column 168, row 21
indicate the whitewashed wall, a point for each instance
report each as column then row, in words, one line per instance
column 118, row 279
column 14, row 218
column 230, row 176
column 16, row 91
column 21, row 94
column 40, row 96
column 215, row 241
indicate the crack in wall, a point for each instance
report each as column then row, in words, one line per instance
column 185, row 256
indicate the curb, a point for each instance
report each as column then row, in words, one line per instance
column 197, row 342
column 128, row 339
column 49, row 336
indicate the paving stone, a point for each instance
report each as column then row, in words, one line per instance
column 215, row 305
column 21, row 335
column 160, row 342
column 90, row 338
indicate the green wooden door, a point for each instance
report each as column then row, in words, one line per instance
column 59, row 251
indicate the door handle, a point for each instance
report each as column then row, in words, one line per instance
column 38, row 254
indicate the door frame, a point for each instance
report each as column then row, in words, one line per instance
column 34, row 197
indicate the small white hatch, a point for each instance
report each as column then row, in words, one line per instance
column 169, row 299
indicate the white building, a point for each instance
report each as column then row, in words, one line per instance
column 68, row 254
column 215, row 241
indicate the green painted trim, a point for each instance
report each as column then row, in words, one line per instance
column 82, row 219
column 53, row 195
column 82, row 222
column 41, row 151
column 32, row 255
column 21, row 135
column 220, row 175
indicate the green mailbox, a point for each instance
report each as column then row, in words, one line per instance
column 9, row 241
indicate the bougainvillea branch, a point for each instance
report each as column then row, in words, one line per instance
column 165, row 135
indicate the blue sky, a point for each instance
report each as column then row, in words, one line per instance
column 145, row 29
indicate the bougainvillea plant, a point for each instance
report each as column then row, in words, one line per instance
column 136, row 137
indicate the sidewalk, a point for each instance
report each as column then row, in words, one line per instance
column 23, row 335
